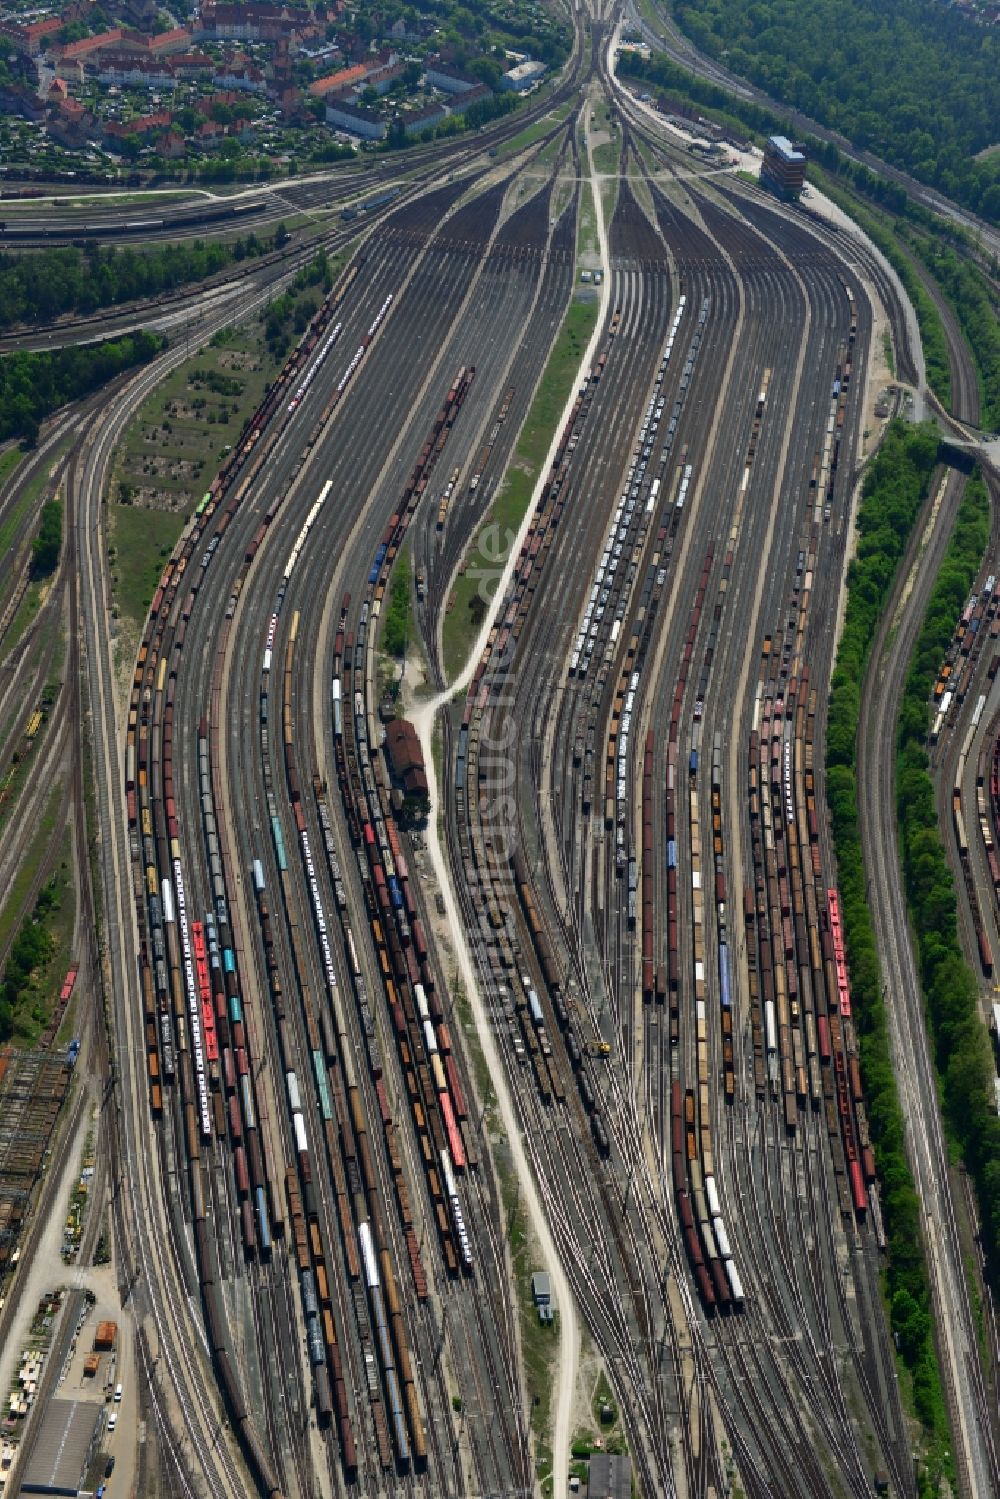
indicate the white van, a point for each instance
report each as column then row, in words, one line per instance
column 118, row 1393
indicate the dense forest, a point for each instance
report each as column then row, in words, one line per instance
column 38, row 286
column 895, row 486
column 912, row 80
column 34, row 385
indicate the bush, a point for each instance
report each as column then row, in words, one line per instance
column 961, row 1045
column 894, row 489
column 46, row 545
column 33, row 947
column 398, row 624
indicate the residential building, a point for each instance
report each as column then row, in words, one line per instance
column 117, row 130
column 363, row 123
column 289, row 102
column 355, row 77
column 188, row 64
column 16, row 99
column 278, row 70
column 136, row 72
column 28, row 39
column 339, row 82
column 171, row 146
column 523, row 77
column 383, row 79
column 209, row 134
column 243, row 77
column 449, row 80
column 141, row 12
column 461, row 102
column 77, row 10
column 253, row 22
column 88, row 46
column 416, row 121
column 71, row 124
column 416, row 30
column 167, row 43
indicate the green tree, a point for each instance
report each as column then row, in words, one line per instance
column 47, row 544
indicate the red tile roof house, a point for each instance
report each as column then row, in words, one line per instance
column 245, row 77
column 171, row 146
column 253, row 23
column 406, row 756
column 71, row 124
column 135, row 72
column 141, row 125
column 28, row 39
column 209, row 133
column 169, row 42
column 162, row 45
column 336, row 83
column 87, row 46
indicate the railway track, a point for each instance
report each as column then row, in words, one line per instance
column 327, row 1162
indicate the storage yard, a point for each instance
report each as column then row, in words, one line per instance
column 325, row 1068
column 314, row 1201
column 32, row 1088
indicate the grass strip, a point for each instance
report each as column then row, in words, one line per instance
column 490, row 548
column 142, row 540
column 179, row 438
column 8, row 463
column 27, row 496
column 534, row 132
column 539, row 1340
column 894, row 490
column 890, row 358
column 586, row 233
column 397, row 629
column 24, row 617
column 607, row 156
